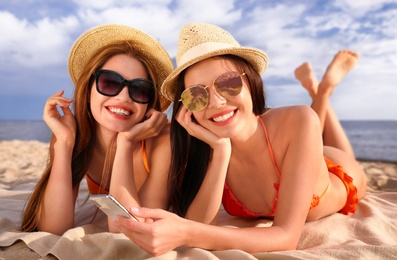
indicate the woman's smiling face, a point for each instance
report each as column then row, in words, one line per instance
column 119, row 113
column 225, row 117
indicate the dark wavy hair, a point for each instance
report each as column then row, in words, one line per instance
column 191, row 156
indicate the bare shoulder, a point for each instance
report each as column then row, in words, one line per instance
column 291, row 126
column 286, row 125
column 287, row 115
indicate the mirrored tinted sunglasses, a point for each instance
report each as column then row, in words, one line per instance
column 196, row 97
column 110, row 83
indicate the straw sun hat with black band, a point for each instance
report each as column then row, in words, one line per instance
column 101, row 36
column 199, row 41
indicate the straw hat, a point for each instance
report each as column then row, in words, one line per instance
column 101, row 36
column 199, row 41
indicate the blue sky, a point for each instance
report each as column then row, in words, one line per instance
column 36, row 36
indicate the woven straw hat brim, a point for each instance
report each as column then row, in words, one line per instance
column 101, row 36
column 199, row 41
column 257, row 58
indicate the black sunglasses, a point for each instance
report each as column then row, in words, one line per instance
column 110, row 83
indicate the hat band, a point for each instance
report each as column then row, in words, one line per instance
column 202, row 49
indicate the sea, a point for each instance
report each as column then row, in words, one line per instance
column 371, row 140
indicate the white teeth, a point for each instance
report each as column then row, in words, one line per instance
column 224, row 117
column 119, row 111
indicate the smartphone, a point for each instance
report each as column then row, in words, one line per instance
column 110, row 206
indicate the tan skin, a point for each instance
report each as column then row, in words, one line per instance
column 342, row 63
column 239, row 143
column 130, row 184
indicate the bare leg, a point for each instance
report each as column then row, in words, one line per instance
column 333, row 133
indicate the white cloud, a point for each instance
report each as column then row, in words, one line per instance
column 388, row 23
column 33, row 44
column 155, row 17
column 104, row 4
column 361, row 7
column 221, row 12
column 290, row 32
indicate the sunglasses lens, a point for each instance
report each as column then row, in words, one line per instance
column 141, row 91
column 229, row 84
column 108, row 83
column 195, row 98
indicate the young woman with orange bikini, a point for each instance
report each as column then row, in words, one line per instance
column 229, row 148
column 117, row 138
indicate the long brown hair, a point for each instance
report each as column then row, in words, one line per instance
column 191, row 156
column 86, row 131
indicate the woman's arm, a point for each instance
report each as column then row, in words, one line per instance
column 154, row 191
column 205, row 206
column 57, row 214
column 299, row 155
column 169, row 231
column 122, row 184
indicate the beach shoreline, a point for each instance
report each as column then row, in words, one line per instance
column 27, row 159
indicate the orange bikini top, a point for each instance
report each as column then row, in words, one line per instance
column 235, row 208
column 94, row 187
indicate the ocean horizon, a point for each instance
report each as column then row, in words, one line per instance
column 373, row 140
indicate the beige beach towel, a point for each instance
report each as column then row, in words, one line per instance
column 371, row 233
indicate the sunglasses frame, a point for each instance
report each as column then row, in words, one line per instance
column 124, row 83
column 213, row 84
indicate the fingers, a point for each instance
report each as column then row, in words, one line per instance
column 151, row 127
column 154, row 214
column 181, row 114
column 66, row 110
column 135, row 231
column 156, row 236
column 184, row 118
column 62, row 126
column 58, row 99
column 141, row 234
column 156, row 120
column 50, row 110
column 194, row 128
column 129, row 226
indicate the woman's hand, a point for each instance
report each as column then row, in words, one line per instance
column 122, row 184
column 62, row 126
column 161, row 232
column 184, row 118
column 205, row 206
column 152, row 126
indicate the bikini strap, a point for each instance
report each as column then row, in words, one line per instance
column 269, row 146
column 144, row 156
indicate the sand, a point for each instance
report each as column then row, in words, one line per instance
column 22, row 162
column 368, row 234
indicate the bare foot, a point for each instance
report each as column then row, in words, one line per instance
column 304, row 73
column 342, row 63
